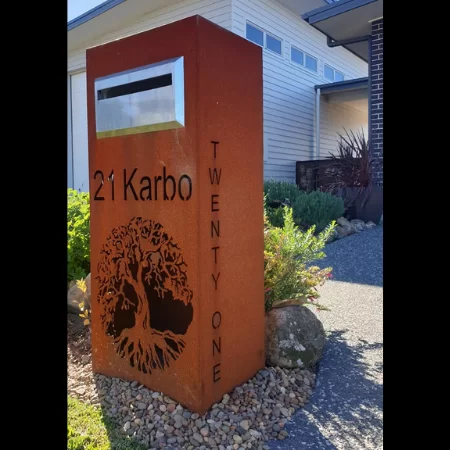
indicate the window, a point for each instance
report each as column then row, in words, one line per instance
column 297, row 56
column 255, row 35
column 273, row 43
column 264, row 39
column 303, row 59
column 332, row 74
column 311, row 63
column 338, row 76
column 328, row 73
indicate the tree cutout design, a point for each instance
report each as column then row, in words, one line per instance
column 145, row 299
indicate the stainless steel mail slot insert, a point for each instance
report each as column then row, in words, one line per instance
column 141, row 100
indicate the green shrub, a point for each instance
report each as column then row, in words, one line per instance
column 78, row 235
column 279, row 191
column 317, row 208
column 275, row 216
column 288, row 254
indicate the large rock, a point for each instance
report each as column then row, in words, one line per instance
column 344, row 228
column 343, row 222
column 75, row 296
column 343, row 231
column 358, row 224
column 294, row 337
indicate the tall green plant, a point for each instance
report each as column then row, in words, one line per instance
column 288, row 254
column 317, row 209
column 78, row 235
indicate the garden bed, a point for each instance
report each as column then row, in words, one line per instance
column 247, row 417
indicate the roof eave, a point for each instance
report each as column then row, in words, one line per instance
column 333, row 9
column 346, row 85
column 92, row 13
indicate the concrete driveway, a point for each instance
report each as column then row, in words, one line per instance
column 346, row 408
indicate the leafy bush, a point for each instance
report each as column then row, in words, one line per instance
column 317, row 208
column 288, row 254
column 78, row 235
column 85, row 304
column 277, row 192
column 275, row 216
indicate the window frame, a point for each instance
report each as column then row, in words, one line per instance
column 274, row 37
column 317, row 63
column 338, row 71
column 293, row 47
column 334, row 73
column 247, row 22
column 305, row 54
column 265, row 33
column 325, row 66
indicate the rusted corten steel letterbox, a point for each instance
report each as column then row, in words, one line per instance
column 176, row 190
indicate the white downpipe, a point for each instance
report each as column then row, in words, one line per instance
column 317, row 124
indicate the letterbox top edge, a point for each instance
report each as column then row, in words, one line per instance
column 194, row 18
column 135, row 69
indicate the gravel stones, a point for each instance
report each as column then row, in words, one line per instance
column 171, row 407
column 243, row 419
column 252, row 414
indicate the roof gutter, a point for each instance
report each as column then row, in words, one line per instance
column 356, row 83
column 333, row 43
column 333, row 9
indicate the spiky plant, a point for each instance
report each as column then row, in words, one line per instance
column 352, row 164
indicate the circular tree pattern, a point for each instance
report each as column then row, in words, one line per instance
column 145, row 299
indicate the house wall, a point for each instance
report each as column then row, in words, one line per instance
column 335, row 118
column 377, row 99
column 218, row 11
column 79, row 137
column 289, row 95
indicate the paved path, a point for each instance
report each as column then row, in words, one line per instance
column 346, row 408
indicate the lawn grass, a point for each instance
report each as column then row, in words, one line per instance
column 88, row 429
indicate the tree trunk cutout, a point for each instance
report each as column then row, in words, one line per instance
column 145, row 299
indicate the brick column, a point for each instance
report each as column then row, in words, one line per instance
column 376, row 101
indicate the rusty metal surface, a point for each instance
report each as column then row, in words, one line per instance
column 177, row 221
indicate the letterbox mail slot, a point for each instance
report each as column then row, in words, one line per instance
column 141, row 100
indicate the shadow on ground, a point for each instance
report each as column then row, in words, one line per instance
column 90, row 427
column 345, row 411
column 117, row 437
column 357, row 258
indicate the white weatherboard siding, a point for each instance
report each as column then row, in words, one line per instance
column 333, row 119
column 80, row 162
column 289, row 95
column 218, row 11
